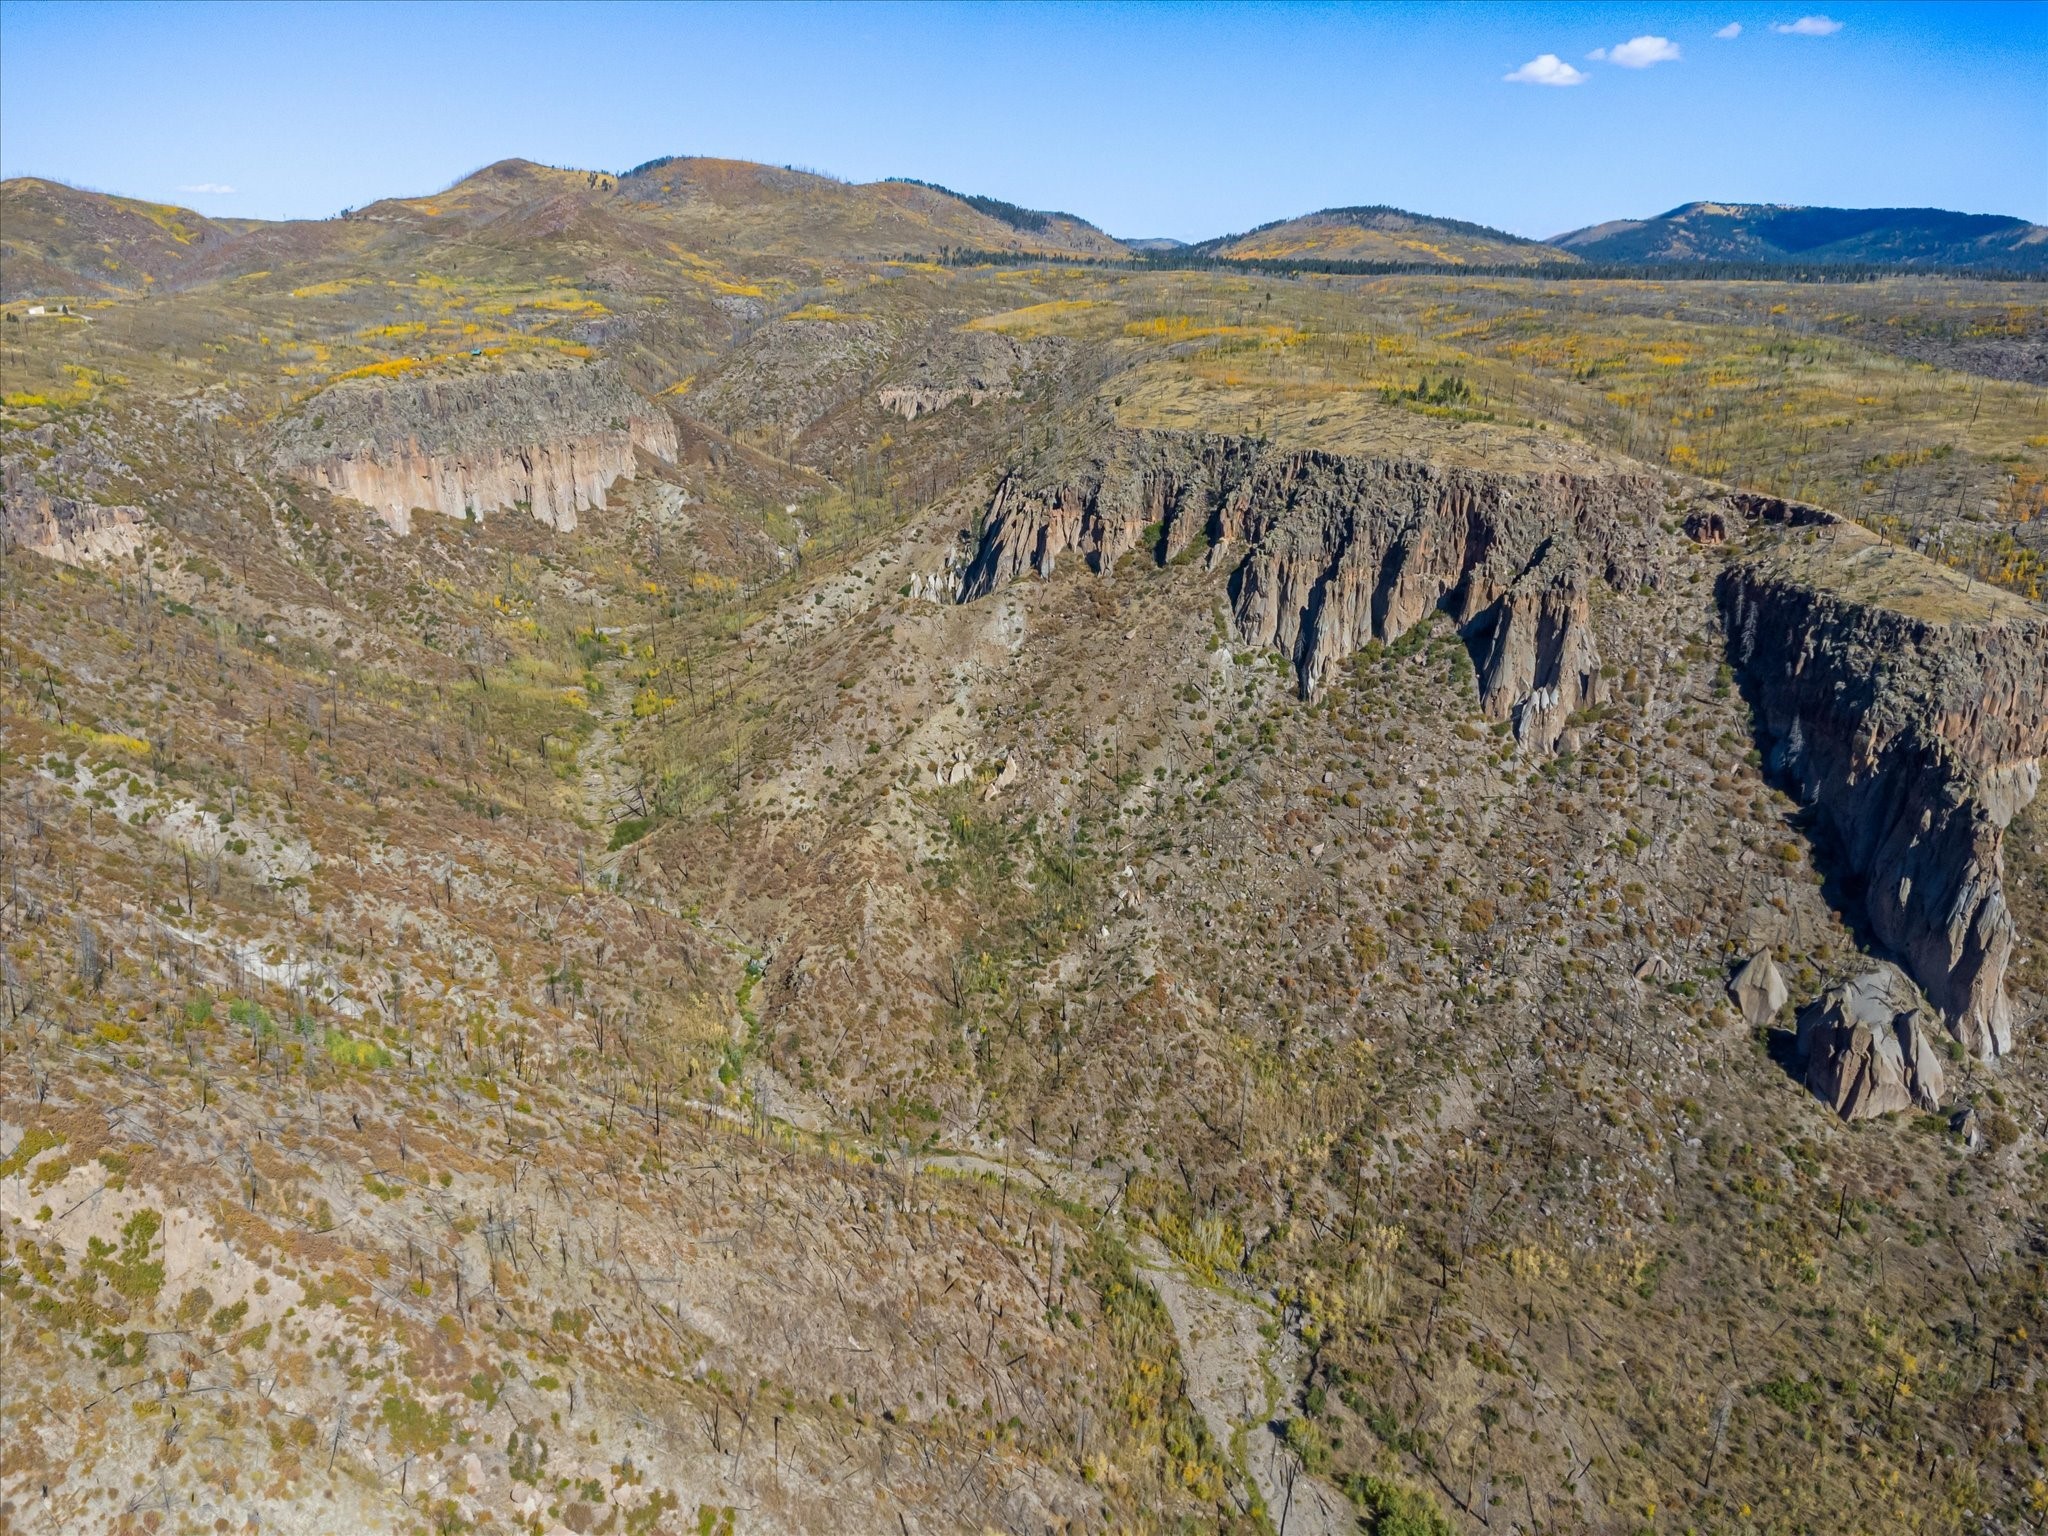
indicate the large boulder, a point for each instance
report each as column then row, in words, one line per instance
column 1868, row 1049
column 1759, row 991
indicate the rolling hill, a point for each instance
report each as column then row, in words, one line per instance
column 66, row 240
column 58, row 239
column 1064, row 230
column 515, row 217
column 1773, row 232
column 1382, row 234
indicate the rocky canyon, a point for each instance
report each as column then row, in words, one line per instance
column 705, row 851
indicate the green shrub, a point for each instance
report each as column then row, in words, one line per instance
column 130, row 1269
column 253, row 1017
column 346, row 1051
column 1388, row 1508
column 1790, row 1394
column 35, row 1141
column 1306, row 1440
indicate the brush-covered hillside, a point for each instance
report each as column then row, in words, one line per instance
column 668, row 869
column 1384, row 235
column 61, row 240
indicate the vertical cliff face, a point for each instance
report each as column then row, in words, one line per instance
column 1540, row 663
column 551, row 441
column 64, row 528
column 1327, row 552
column 1914, row 737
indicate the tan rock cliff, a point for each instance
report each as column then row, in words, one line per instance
column 549, row 440
column 65, row 528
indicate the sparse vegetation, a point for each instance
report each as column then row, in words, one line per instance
column 676, row 983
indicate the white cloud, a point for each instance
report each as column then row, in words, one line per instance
column 1808, row 26
column 1733, row 29
column 208, row 189
column 1547, row 69
column 1639, row 52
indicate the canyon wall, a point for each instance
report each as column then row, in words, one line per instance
column 548, row 440
column 65, row 528
column 1328, row 552
column 1914, row 739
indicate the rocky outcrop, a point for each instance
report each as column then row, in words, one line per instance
column 967, row 365
column 1540, row 663
column 550, row 441
column 1707, row 525
column 65, row 528
column 911, row 401
column 1328, row 552
column 1914, row 739
column 1759, row 989
column 1757, row 507
column 1866, row 1047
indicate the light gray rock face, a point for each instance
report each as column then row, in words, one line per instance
column 1540, row 662
column 967, row 365
column 1915, row 742
column 1758, row 989
column 549, row 440
column 1868, row 1049
column 1328, row 552
column 65, row 528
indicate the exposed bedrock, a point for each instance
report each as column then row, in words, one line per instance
column 65, row 528
column 550, row 441
column 1914, row 742
column 1864, row 1047
column 967, row 365
column 1328, row 552
column 1759, row 989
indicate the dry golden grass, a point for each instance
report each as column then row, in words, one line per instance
column 1853, row 562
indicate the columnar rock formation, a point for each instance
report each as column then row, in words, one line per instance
column 1915, row 740
column 550, row 440
column 1332, row 551
column 63, row 527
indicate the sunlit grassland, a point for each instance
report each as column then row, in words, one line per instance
column 1794, row 389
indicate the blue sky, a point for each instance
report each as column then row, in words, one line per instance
column 1150, row 120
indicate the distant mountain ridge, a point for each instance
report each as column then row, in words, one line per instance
column 58, row 240
column 1069, row 228
column 61, row 240
column 1775, row 232
column 1379, row 233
